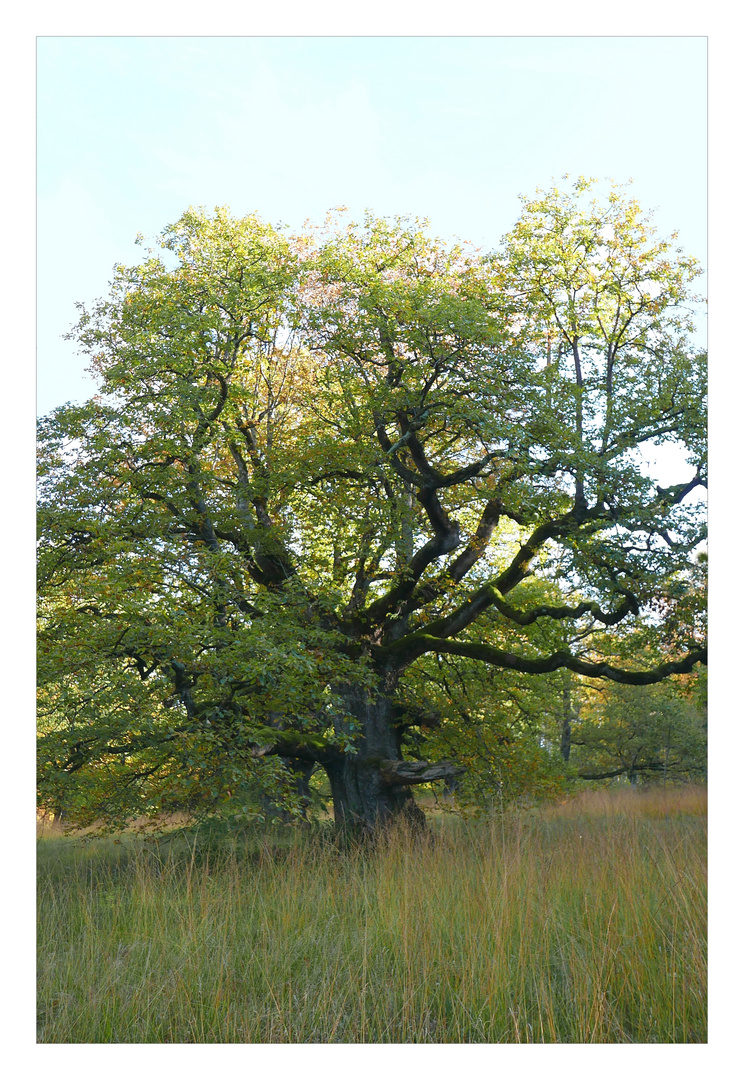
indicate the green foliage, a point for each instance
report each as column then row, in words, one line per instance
column 503, row 727
column 118, row 741
column 655, row 734
column 318, row 463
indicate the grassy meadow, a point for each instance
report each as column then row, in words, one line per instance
column 578, row 923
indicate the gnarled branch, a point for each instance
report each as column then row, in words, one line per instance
column 419, row 643
column 417, row 772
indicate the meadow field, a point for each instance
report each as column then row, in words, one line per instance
column 576, row 923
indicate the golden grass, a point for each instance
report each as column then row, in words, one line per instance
column 579, row 923
column 645, row 802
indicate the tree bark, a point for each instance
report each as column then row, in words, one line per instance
column 363, row 803
column 369, row 793
column 568, row 717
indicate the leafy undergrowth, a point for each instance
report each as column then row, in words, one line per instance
column 581, row 923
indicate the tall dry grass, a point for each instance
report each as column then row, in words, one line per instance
column 582, row 923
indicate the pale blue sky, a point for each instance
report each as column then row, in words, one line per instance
column 132, row 130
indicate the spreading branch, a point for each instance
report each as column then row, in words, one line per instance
column 418, row 644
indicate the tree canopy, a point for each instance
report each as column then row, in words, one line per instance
column 319, row 464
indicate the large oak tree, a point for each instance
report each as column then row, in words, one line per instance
column 317, row 461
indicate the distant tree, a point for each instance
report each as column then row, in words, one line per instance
column 648, row 733
column 316, row 461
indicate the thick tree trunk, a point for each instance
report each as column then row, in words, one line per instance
column 364, row 802
column 369, row 793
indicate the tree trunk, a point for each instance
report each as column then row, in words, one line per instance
column 368, row 793
column 568, row 717
column 364, row 802
column 300, row 773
